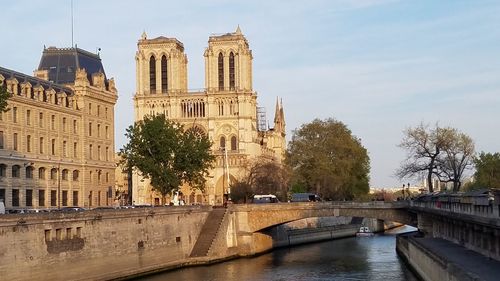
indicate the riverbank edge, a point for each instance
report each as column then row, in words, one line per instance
column 205, row 261
column 424, row 262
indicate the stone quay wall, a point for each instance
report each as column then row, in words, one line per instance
column 97, row 245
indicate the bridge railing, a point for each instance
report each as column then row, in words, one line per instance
column 484, row 203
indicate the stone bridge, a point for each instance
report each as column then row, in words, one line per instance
column 255, row 217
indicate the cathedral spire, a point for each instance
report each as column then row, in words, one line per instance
column 238, row 30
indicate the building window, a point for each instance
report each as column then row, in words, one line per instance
column 53, row 174
column 75, row 198
column 107, row 153
column 90, row 109
column 221, row 71
column 41, row 198
column 29, row 197
column 231, row 71
column 14, row 114
column 64, row 175
column 90, row 198
column 164, row 79
column 74, row 126
column 14, row 140
column 233, row 143
column 40, row 120
column 222, row 142
column 64, row 124
column 65, row 198
column 53, row 146
column 76, row 174
column 3, row 170
column 15, row 171
column 64, row 149
column 41, row 173
column 98, row 110
column 75, row 149
column 90, row 151
column 28, row 117
column 28, row 143
column 98, row 152
column 107, row 177
column 53, row 122
column 152, row 74
column 2, row 195
column 15, row 197
column 99, row 176
column 107, row 132
column 90, row 129
column 41, row 145
column 29, row 172
column 1, row 140
column 98, row 130
column 53, row 198
column 106, row 112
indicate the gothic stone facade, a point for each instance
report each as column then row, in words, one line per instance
column 57, row 139
column 226, row 110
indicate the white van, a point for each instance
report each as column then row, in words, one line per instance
column 2, row 208
column 268, row 198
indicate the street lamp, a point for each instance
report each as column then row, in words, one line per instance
column 225, row 169
column 58, row 169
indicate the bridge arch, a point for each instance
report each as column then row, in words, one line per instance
column 253, row 218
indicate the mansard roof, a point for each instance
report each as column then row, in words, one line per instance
column 35, row 82
column 63, row 62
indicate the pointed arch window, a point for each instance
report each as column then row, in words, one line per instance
column 164, row 79
column 152, row 74
column 222, row 142
column 233, row 143
column 221, row 71
column 231, row 71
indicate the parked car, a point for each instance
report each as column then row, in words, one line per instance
column 72, row 209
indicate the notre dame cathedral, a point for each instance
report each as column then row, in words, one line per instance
column 226, row 110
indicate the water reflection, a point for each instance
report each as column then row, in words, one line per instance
column 364, row 258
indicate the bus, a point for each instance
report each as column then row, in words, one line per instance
column 261, row 199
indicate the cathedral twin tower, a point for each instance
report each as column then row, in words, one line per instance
column 226, row 110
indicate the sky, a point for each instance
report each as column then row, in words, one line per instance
column 378, row 66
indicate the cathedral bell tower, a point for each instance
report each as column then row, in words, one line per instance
column 161, row 66
column 228, row 63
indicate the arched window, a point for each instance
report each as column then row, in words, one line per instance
column 64, row 175
column 231, row 71
column 29, row 172
column 15, row 171
column 152, row 74
column 53, row 174
column 3, row 169
column 222, row 142
column 41, row 173
column 233, row 143
column 164, row 79
column 221, row 71
column 76, row 174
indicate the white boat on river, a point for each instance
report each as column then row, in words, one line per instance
column 364, row 231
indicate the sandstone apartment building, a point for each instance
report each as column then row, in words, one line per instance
column 57, row 138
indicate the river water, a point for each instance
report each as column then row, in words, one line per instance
column 361, row 258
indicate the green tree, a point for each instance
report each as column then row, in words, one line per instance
column 4, row 96
column 328, row 160
column 163, row 152
column 487, row 173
